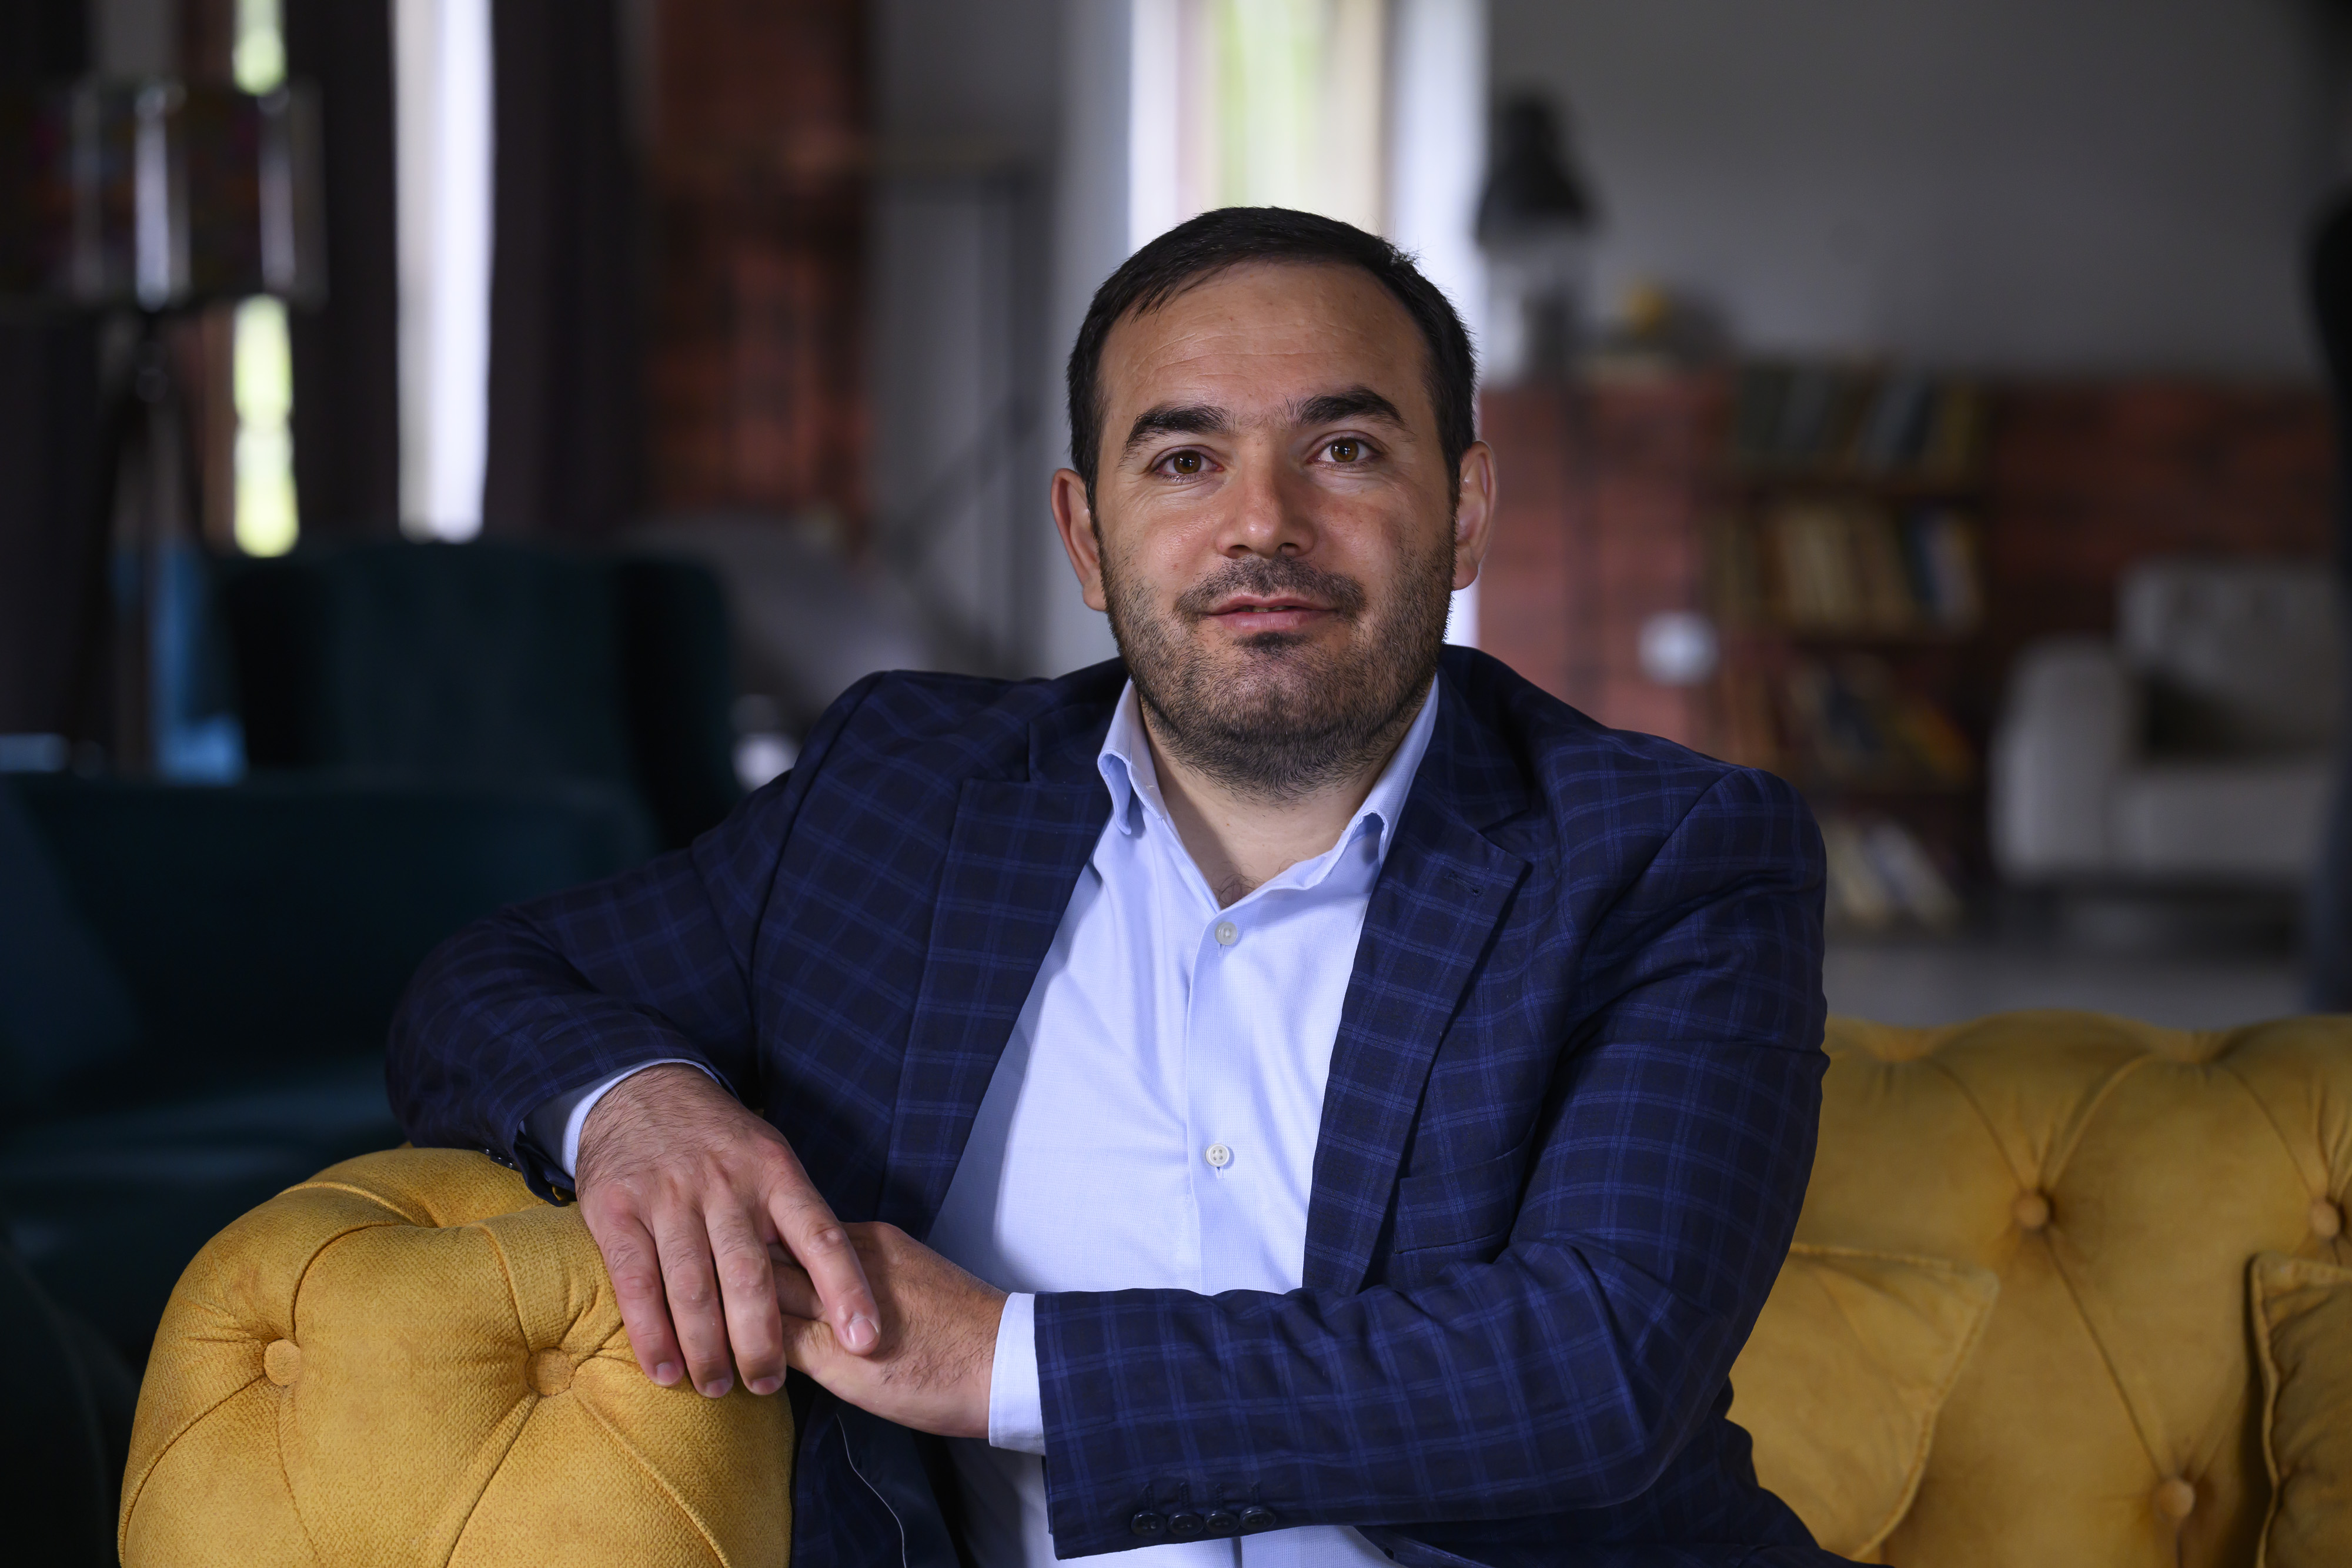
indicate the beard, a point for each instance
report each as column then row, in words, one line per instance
column 1280, row 714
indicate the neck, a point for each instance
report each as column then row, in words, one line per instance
column 1240, row 838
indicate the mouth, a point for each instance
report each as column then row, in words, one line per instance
column 1245, row 613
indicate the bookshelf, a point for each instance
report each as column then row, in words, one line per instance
column 1622, row 500
column 1848, row 583
column 1826, row 521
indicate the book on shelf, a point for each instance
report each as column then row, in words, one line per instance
column 1850, row 722
column 1900, row 423
column 1831, row 566
column 1881, row 876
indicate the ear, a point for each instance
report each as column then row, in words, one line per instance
column 1076, row 521
column 1473, row 515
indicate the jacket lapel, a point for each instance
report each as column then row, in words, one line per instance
column 1013, row 860
column 1442, row 890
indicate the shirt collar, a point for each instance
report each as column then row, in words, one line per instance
column 1125, row 765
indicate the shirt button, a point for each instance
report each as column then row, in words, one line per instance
column 1227, row 932
column 1220, row 1156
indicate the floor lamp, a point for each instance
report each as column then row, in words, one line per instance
column 149, row 200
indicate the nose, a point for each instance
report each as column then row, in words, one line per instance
column 1265, row 513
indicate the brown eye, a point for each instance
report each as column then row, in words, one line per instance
column 1185, row 462
column 1346, row 451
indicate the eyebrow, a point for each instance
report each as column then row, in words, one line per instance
column 1355, row 402
column 1173, row 419
column 1202, row 419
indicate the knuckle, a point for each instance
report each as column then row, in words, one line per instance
column 636, row 1281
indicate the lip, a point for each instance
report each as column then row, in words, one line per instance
column 1268, row 613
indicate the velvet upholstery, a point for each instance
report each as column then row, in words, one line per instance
column 2053, row 1216
column 199, row 1020
column 491, row 663
column 409, row 1360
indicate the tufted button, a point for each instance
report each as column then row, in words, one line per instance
column 282, row 1361
column 2032, row 1211
column 550, row 1373
column 1184, row 1525
column 2326, row 1220
column 1257, row 1519
column 2175, row 1499
column 1145, row 1523
column 1221, row 1522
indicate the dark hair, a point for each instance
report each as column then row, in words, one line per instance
column 1230, row 236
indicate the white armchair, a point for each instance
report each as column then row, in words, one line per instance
column 2194, row 749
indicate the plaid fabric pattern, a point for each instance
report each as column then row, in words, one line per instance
column 1569, row 1122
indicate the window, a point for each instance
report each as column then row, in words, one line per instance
column 442, row 106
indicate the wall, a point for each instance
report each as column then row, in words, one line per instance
column 2022, row 185
column 990, row 221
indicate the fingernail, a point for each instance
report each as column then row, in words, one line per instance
column 666, row 1373
column 716, row 1387
column 860, row 1335
column 764, row 1385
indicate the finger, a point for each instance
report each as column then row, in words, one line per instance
column 684, row 1243
column 821, row 1244
column 633, row 1264
column 796, row 1292
column 747, row 1294
column 812, row 1347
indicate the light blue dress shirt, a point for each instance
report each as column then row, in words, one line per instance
column 1152, row 1121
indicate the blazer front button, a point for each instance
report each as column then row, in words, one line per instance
column 1257, row 1519
column 1145, row 1523
column 1184, row 1526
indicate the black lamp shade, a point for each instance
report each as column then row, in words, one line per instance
column 158, row 195
column 1530, row 184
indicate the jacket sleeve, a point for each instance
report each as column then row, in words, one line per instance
column 550, row 997
column 1566, row 1371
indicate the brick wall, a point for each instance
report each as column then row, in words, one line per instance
column 1605, row 492
column 2089, row 476
column 759, row 187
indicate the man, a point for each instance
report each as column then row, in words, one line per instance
column 1386, row 1093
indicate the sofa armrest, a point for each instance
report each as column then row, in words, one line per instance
column 2070, row 727
column 410, row 1360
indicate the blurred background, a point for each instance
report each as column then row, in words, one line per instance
column 450, row 449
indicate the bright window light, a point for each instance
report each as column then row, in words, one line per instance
column 442, row 91
column 267, row 522
column 261, row 357
column 258, row 56
column 1372, row 111
column 1257, row 103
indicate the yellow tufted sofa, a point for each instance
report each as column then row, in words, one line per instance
column 409, row 1360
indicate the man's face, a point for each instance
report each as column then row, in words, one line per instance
column 1274, row 531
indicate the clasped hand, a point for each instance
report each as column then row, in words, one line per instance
column 726, row 1259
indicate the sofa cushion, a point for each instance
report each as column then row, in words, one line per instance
column 2303, row 1338
column 2117, row 1177
column 1841, row 1379
column 422, row 1308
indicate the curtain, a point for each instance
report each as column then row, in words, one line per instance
column 346, row 417
column 566, row 406
column 49, row 435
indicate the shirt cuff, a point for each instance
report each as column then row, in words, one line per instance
column 1016, row 1410
column 556, row 1125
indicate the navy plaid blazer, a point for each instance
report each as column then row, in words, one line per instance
column 1569, row 1117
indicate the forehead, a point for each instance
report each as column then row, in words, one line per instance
column 1266, row 335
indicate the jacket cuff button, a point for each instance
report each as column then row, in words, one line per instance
column 1220, row 1523
column 1184, row 1526
column 1145, row 1523
column 1257, row 1519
